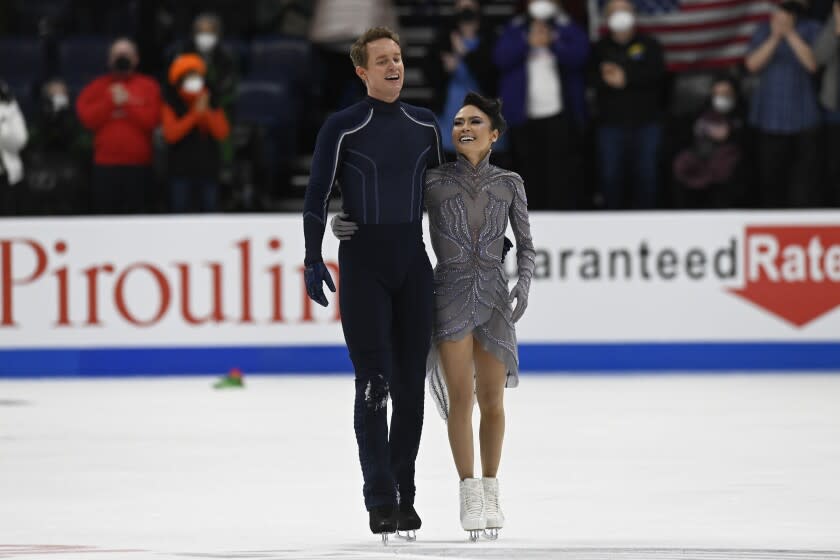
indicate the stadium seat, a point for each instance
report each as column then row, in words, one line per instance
column 239, row 48
column 25, row 95
column 279, row 59
column 83, row 58
column 271, row 110
column 21, row 59
column 270, row 103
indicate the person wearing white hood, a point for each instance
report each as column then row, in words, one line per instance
column 627, row 70
column 13, row 136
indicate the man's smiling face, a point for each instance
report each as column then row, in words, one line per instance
column 385, row 72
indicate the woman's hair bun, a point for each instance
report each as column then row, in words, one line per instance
column 492, row 107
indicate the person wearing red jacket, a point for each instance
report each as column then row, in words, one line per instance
column 122, row 109
column 194, row 126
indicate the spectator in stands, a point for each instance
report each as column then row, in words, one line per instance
column 709, row 173
column 13, row 136
column 541, row 56
column 222, row 68
column 237, row 15
column 627, row 71
column 122, row 108
column 827, row 54
column 461, row 60
column 57, row 155
column 193, row 126
column 335, row 26
column 784, row 106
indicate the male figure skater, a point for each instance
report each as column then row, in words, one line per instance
column 378, row 151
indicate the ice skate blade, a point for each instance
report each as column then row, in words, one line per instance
column 491, row 534
column 474, row 534
column 409, row 536
column 384, row 538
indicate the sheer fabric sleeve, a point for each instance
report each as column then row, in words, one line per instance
column 518, row 214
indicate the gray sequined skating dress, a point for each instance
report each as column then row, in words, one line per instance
column 469, row 208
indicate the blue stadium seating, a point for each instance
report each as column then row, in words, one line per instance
column 274, row 108
column 21, row 59
column 25, row 95
column 239, row 48
column 82, row 58
column 278, row 59
column 269, row 103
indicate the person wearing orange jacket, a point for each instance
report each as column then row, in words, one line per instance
column 122, row 109
column 194, row 125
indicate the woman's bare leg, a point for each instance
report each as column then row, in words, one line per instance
column 490, row 378
column 457, row 360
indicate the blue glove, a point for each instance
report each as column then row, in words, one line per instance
column 314, row 275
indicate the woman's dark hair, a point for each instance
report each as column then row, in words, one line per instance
column 491, row 107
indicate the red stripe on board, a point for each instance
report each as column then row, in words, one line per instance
column 676, row 27
column 707, row 44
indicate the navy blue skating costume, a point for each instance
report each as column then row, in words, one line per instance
column 378, row 153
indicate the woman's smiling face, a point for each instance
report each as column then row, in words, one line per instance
column 472, row 132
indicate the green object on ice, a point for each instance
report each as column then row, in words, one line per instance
column 229, row 382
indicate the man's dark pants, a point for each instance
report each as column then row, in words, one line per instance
column 386, row 298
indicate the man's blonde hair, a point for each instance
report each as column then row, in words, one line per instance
column 358, row 52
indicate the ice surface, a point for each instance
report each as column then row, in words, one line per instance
column 654, row 467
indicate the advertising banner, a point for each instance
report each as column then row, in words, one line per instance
column 612, row 291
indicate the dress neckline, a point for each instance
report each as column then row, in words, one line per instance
column 474, row 169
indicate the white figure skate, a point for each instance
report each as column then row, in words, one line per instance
column 473, row 519
column 492, row 509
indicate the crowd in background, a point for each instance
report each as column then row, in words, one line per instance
column 164, row 128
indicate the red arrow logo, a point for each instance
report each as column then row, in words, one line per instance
column 792, row 271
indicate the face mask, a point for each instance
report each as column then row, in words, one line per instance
column 467, row 15
column 59, row 101
column 193, row 84
column 123, row 64
column 205, row 41
column 542, row 9
column 621, row 21
column 723, row 103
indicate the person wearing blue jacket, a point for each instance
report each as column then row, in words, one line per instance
column 541, row 56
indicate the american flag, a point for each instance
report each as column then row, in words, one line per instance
column 696, row 34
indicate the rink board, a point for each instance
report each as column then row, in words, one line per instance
column 621, row 292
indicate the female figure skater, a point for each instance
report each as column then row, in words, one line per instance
column 469, row 203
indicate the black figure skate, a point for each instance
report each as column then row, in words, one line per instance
column 408, row 522
column 383, row 521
